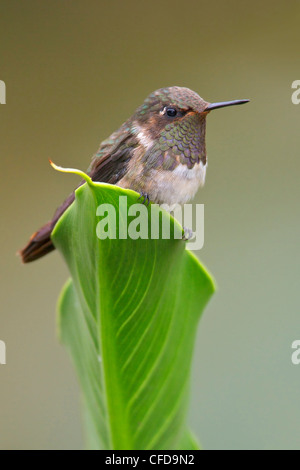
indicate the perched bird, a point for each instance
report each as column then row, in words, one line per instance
column 159, row 152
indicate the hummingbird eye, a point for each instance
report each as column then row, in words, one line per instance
column 171, row 111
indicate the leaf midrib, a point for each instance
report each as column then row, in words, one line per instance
column 117, row 421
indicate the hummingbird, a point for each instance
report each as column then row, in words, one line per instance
column 159, row 152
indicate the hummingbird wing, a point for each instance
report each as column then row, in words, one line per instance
column 109, row 164
column 113, row 166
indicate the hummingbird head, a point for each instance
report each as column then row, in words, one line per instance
column 174, row 120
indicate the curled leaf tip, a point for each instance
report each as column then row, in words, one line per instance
column 71, row 170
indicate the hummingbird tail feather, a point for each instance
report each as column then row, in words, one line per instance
column 40, row 242
column 39, row 245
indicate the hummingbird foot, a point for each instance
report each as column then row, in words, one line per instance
column 145, row 197
column 188, row 234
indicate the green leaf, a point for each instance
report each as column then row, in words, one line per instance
column 128, row 318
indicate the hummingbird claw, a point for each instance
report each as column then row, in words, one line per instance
column 146, row 198
column 188, row 234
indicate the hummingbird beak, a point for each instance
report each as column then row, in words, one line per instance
column 223, row 104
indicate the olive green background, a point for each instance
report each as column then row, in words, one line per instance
column 74, row 71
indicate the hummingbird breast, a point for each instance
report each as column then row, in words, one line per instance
column 178, row 186
column 167, row 187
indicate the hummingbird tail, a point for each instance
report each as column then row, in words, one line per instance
column 40, row 242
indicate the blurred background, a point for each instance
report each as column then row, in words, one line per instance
column 74, row 71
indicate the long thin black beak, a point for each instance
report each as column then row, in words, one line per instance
column 223, row 104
